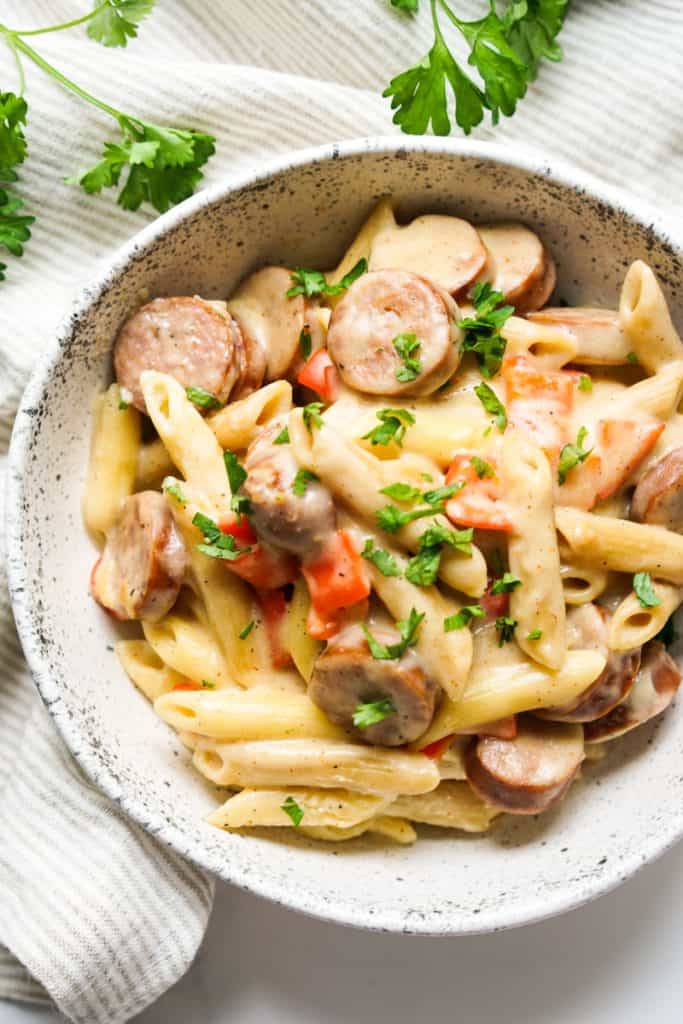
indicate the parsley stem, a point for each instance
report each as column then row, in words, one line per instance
column 62, row 25
column 20, row 66
column 62, row 79
column 449, row 14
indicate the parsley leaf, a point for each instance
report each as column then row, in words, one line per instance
column 243, row 634
column 644, row 591
column 460, row 540
column 481, row 467
column 632, row 358
column 282, row 437
column 489, row 399
column 401, row 492
column 301, row 481
column 392, row 519
column 585, row 383
column 405, row 345
column 407, row 629
column 208, row 685
column 116, row 23
column 572, row 455
column 216, row 543
column 293, row 811
column 423, row 568
column 202, row 398
column 535, row 634
column 172, row 487
column 482, row 332
column 441, row 494
column 463, row 617
column 506, row 584
column 313, row 282
column 392, row 427
column 376, row 711
column 380, row 558
column 312, row 417
column 305, row 343
column 506, row 628
column 405, row 5
column 237, row 474
column 14, row 225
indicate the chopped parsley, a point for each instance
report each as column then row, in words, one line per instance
column 406, row 345
column 441, row 494
column 123, row 405
column 392, row 519
column 428, row 477
column 506, row 628
column 632, row 358
column 407, row 629
column 535, row 634
column 301, row 481
column 482, row 332
column 585, row 383
column 505, row 584
column 392, row 427
column 312, row 417
column 207, row 685
column 481, row 467
column 313, row 282
column 282, row 437
column 572, row 455
column 401, row 492
column 305, row 343
column 172, row 487
column 376, row 711
column 423, row 568
column 381, row 559
column 463, row 617
column 216, row 543
column 243, row 634
column 202, row 398
column 293, row 811
column 644, row 591
column 491, row 402
column 237, row 474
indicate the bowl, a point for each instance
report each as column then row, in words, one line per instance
column 303, row 209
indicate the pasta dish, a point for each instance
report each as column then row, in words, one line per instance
column 404, row 541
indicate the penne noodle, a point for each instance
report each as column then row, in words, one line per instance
column 111, row 466
column 658, row 396
column 304, row 649
column 396, row 829
column 645, row 319
column 189, row 647
column 551, row 345
column 145, row 668
column 632, row 625
column 321, row 808
column 581, row 583
column 380, row 219
column 450, row 805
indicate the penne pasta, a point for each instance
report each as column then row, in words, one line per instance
column 189, row 647
column 645, row 319
column 632, row 625
column 581, row 583
column 450, row 805
column 552, row 346
column 113, row 457
column 320, row 808
column 146, row 669
column 395, row 829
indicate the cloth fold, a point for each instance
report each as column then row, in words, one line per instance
column 94, row 914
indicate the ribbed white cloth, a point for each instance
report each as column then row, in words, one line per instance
column 90, row 906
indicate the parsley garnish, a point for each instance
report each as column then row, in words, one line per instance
column 463, row 617
column 305, row 343
column 202, row 398
column 392, row 427
column 482, row 332
column 376, row 711
column 237, row 474
column 632, row 358
column 644, row 591
column 405, row 345
column 14, row 226
column 380, row 558
column 243, row 634
column 301, row 481
column 410, row 6
column 123, row 405
column 489, row 399
column 314, row 282
column 312, row 417
column 172, row 487
column 282, row 437
column 535, row 634
column 505, row 584
column 423, row 568
column 115, row 22
column 293, row 811
column 441, row 494
column 401, row 492
column 407, row 629
column 481, row 467
column 392, row 519
column 506, row 628
column 585, row 383
column 207, row 685
column 572, row 455
column 216, row 543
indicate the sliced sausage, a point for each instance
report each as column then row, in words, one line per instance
column 446, row 250
column 272, row 322
column 658, row 497
column 376, row 309
column 540, row 292
column 196, row 342
column 598, row 334
column 298, row 524
column 346, row 675
column 587, row 629
column 143, row 563
column 655, row 688
column 530, row 773
column 516, row 261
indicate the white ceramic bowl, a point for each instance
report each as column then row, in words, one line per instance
column 303, row 209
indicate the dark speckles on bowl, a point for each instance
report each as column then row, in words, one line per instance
column 303, row 210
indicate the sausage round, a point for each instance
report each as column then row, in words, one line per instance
column 143, row 563
column 377, row 308
column 517, row 264
column 530, row 773
column 196, row 342
column 346, row 675
column 658, row 497
column 656, row 684
column 280, row 517
column 588, row 626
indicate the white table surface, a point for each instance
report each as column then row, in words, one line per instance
column 616, row 961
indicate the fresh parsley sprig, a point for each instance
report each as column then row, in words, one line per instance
column 407, row 345
column 216, row 543
column 15, row 225
column 644, row 591
column 572, row 455
column 483, row 332
column 381, row 559
column 408, row 631
column 313, row 282
column 392, row 427
column 373, row 712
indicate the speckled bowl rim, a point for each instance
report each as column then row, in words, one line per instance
column 516, row 157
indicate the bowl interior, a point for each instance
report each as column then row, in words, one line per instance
column 625, row 811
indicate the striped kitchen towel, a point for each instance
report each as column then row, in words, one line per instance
column 94, row 914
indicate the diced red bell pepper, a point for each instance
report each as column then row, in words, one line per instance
column 187, row 685
column 478, row 503
column 539, row 402
column 323, row 627
column 274, row 614
column 495, row 605
column 263, row 567
column 320, row 374
column 438, row 748
column 623, row 445
column 337, row 577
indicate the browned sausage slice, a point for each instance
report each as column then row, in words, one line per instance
column 446, row 250
column 346, row 675
column 196, row 342
column 587, row 628
column 376, row 309
column 655, row 688
column 658, row 497
column 516, row 261
column 540, row 292
column 599, row 337
column 143, row 563
column 295, row 523
column 529, row 774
